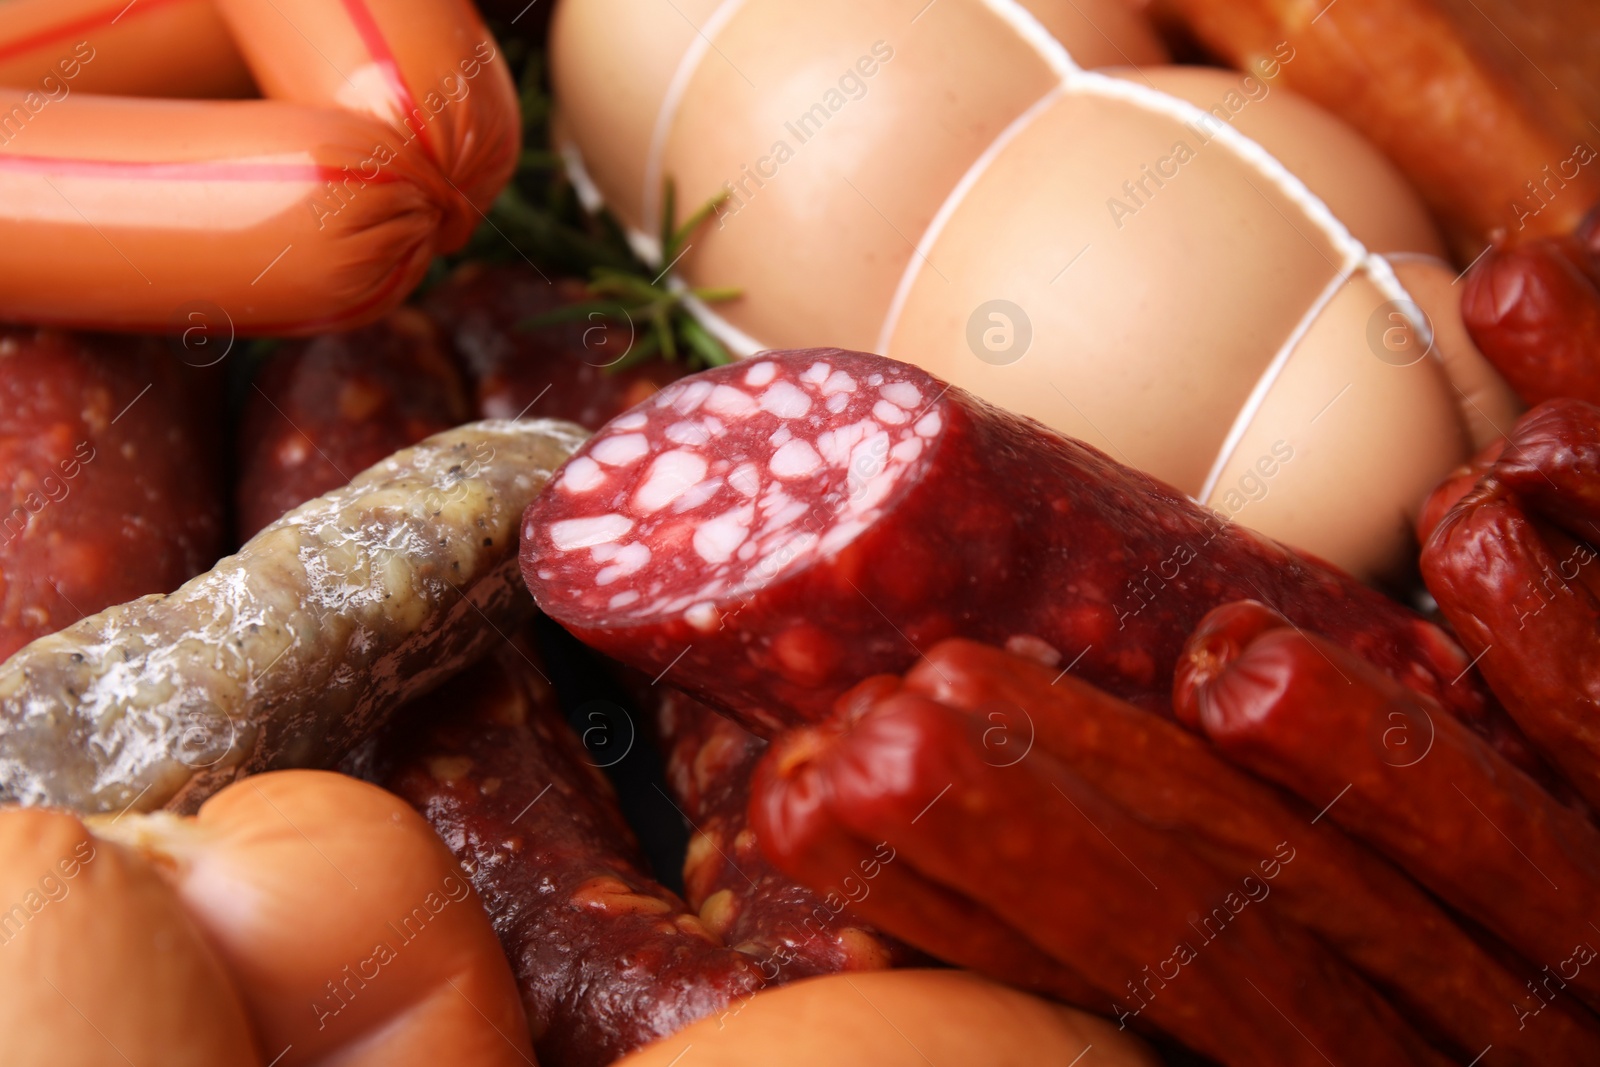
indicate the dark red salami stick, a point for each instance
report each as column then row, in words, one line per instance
column 109, row 481
column 1523, row 595
column 607, row 959
column 1116, row 901
column 325, row 409
column 1534, row 312
column 792, row 931
column 1354, row 902
column 1301, row 711
column 558, row 371
column 767, row 534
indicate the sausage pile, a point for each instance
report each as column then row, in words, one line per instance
column 1081, row 735
column 928, row 684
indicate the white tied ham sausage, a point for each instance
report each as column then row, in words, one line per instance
column 1188, row 269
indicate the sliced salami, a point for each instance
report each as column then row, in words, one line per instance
column 768, row 533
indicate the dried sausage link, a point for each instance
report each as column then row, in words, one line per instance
column 292, row 650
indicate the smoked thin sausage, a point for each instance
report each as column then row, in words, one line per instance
column 791, row 930
column 1338, row 890
column 1512, row 563
column 1298, row 710
column 1114, row 900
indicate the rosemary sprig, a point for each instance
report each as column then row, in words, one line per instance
column 537, row 219
column 670, row 329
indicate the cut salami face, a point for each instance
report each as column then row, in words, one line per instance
column 768, row 533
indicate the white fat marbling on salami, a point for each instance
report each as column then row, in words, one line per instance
column 620, row 450
column 586, row 533
column 697, row 495
column 785, row 401
column 795, row 459
column 889, row 414
column 788, row 459
column 746, row 479
column 669, row 475
column 718, row 539
column 901, row 394
column 686, row 433
column 582, row 475
column 629, row 559
column 838, row 382
column 726, row 400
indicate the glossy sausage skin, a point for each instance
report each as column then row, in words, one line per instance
column 1338, row 890
column 847, row 510
column 1164, row 940
column 255, row 212
column 606, row 957
column 1534, row 311
column 109, row 480
column 427, row 71
column 294, row 649
column 171, row 48
column 556, row 371
column 390, row 125
column 1394, row 771
column 790, row 930
column 1514, row 567
column 325, row 409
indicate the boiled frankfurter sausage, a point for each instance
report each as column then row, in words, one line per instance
column 177, row 48
column 428, row 71
column 390, row 127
